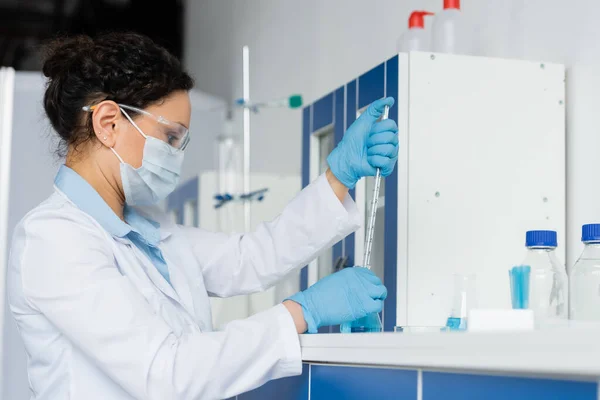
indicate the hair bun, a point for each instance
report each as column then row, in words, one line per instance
column 62, row 53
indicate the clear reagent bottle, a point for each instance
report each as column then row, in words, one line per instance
column 548, row 282
column 585, row 277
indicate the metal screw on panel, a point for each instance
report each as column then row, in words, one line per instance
column 542, row 66
column 545, row 199
column 432, row 57
column 437, row 194
column 561, row 102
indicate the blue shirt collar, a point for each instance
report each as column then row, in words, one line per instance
column 85, row 197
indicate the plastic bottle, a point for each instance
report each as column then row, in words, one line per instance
column 416, row 38
column 548, row 282
column 450, row 32
column 585, row 277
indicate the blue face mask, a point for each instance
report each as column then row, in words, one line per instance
column 157, row 177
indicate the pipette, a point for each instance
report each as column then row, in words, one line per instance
column 374, row 201
column 372, row 322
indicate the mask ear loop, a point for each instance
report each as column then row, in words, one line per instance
column 118, row 156
column 133, row 123
column 135, row 126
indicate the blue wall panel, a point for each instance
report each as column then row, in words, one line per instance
column 447, row 386
column 338, row 115
column 306, row 129
column 351, row 102
column 305, row 146
column 371, row 86
column 331, row 382
column 292, row 388
column 322, row 112
column 390, row 256
column 338, row 133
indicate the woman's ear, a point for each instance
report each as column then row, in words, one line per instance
column 106, row 118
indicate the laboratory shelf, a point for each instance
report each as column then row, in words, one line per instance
column 564, row 352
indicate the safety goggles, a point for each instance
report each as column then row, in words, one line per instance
column 172, row 133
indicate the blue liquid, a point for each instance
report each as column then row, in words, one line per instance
column 456, row 324
column 369, row 324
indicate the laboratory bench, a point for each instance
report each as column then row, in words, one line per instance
column 557, row 363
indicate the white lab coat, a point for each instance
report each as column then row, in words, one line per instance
column 100, row 322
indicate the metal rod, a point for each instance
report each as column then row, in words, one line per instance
column 246, row 96
column 374, row 203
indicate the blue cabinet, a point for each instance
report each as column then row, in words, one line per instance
column 371, row 86
column 292, row 388
column 334, row 382
column 327, row 382
column 437, row 385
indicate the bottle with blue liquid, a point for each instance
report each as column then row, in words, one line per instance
column 548, row 283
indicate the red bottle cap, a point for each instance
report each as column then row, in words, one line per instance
column 416, row 19
column 451, row 4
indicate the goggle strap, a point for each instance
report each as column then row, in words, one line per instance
column 133, row 123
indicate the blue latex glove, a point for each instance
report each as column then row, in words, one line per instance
column 366, row 146
column 344, row 296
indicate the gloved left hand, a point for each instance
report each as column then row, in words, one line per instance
column 347, row 295
column 366, row 146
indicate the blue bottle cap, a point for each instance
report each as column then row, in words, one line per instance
column 541, row 239
column 590, row 233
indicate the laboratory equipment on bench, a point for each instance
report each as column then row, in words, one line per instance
column 585, row 277
column 450, row 32
column 416, row 38
column 548, row 284
column 463, row 301
column 372, row 322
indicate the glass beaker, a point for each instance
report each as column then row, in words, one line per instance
column 462, row 301
column 369, row 324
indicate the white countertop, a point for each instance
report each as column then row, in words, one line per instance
column 565, row 351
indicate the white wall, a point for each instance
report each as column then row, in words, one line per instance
column 313, row 46
column 208, row 116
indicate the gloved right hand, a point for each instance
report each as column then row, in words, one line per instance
column 344, row 296
column 366, row 146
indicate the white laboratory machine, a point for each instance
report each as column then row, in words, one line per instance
column 482, row 161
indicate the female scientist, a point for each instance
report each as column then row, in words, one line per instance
column 111, row 298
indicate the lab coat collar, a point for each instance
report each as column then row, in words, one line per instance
column 85, row 197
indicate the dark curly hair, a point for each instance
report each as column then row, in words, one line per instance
column 127, row 68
